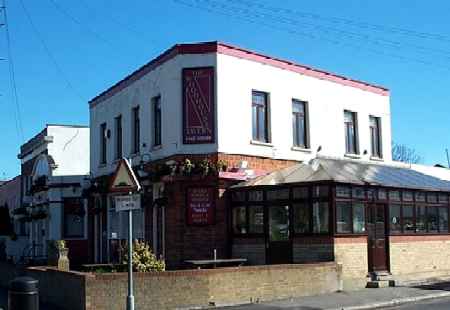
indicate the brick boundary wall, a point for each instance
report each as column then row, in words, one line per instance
column 180, row 289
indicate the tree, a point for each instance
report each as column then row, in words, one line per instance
column 403, row 153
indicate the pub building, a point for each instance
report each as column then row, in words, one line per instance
column 243, row 155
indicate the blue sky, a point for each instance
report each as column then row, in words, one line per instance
column 403, row 45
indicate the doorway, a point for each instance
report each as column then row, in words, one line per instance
column 377, row 238
column 279, row 245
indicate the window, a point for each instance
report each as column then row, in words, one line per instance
column 395, row 224
column 74, row 217
column 394, row 195
column 157, row 121
column 256, row 219
column 421, row 219
column 118, row 135
column 136, row 130
column 260, row 121
column 433, row 219
column 343, row 217
column 320, row 217
column 278, row 194
column 443, row 219
column 358, row 192
column 300, row 193
column 301, row 218
column 343, row 192
column 359, row 217
column 299, row 124
column 350, row 217
column 351, row 133
column 407, row 196
column 103, row 136
column 255, row 196
column 375, row 136
column 408, row 219
column 239, row 220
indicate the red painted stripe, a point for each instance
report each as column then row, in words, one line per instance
column 226, row 49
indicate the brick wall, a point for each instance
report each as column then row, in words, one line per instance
column 351, row 252
column 187, row 242
column 65, row 290
column 416, row 258
column 200, row 288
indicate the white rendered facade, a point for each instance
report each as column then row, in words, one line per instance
column 55, row 167
column 236, row 76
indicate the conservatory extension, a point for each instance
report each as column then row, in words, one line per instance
column 351, row 212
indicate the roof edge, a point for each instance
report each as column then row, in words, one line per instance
column 231, row 50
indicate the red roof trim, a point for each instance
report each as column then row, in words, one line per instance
column 226, row 49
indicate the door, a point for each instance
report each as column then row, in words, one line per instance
column 279, row 246
column 377, row 239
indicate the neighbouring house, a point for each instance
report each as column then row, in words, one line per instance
column 13, row 234
column 246, row 155
column 54, row 173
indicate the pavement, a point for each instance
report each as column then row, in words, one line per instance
column 373, row 298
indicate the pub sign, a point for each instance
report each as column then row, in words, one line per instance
column 200, row 206
column 198, row 105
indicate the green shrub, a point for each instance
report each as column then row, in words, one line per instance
column 144, row 260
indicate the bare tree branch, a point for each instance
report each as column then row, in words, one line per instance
column 403, row 153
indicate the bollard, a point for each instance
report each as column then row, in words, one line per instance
column 23, row 294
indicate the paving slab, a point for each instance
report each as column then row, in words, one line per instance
column 363, row 299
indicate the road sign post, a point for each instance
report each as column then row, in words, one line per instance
column 125, row 181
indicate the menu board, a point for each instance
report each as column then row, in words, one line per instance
column 200, row 206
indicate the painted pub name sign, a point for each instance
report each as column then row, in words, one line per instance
column 200, row 206
column 198, row 105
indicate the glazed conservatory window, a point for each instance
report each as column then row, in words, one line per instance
column 320, row 217
column 239, row 220
column 343, row 217
column 395, row 224
column 408, row 219
column 359, row 217
column 443, row 219
column 350, row 217
column 421, row 219
column 433, row 219
column 301, row 218
column 255, row 219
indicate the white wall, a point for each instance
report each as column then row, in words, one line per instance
column 326, row 104
column 165, row 82
column 70, row 149
column 235, row 80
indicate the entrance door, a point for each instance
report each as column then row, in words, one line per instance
column 279, row 247
column 377, row 240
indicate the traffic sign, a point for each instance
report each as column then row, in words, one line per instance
column 124, row 179
column 129, row 202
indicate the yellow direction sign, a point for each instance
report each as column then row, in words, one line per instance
column 124, row 180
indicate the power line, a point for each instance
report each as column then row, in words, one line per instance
column 81, row 24
column 49, row 53
column 393, row 43
column 359, row 24
column 12, row 76
column 255, row 17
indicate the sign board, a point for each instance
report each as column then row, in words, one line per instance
column 124, row 179
column 198, row 105
column 200, row 206
column 129, row 202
